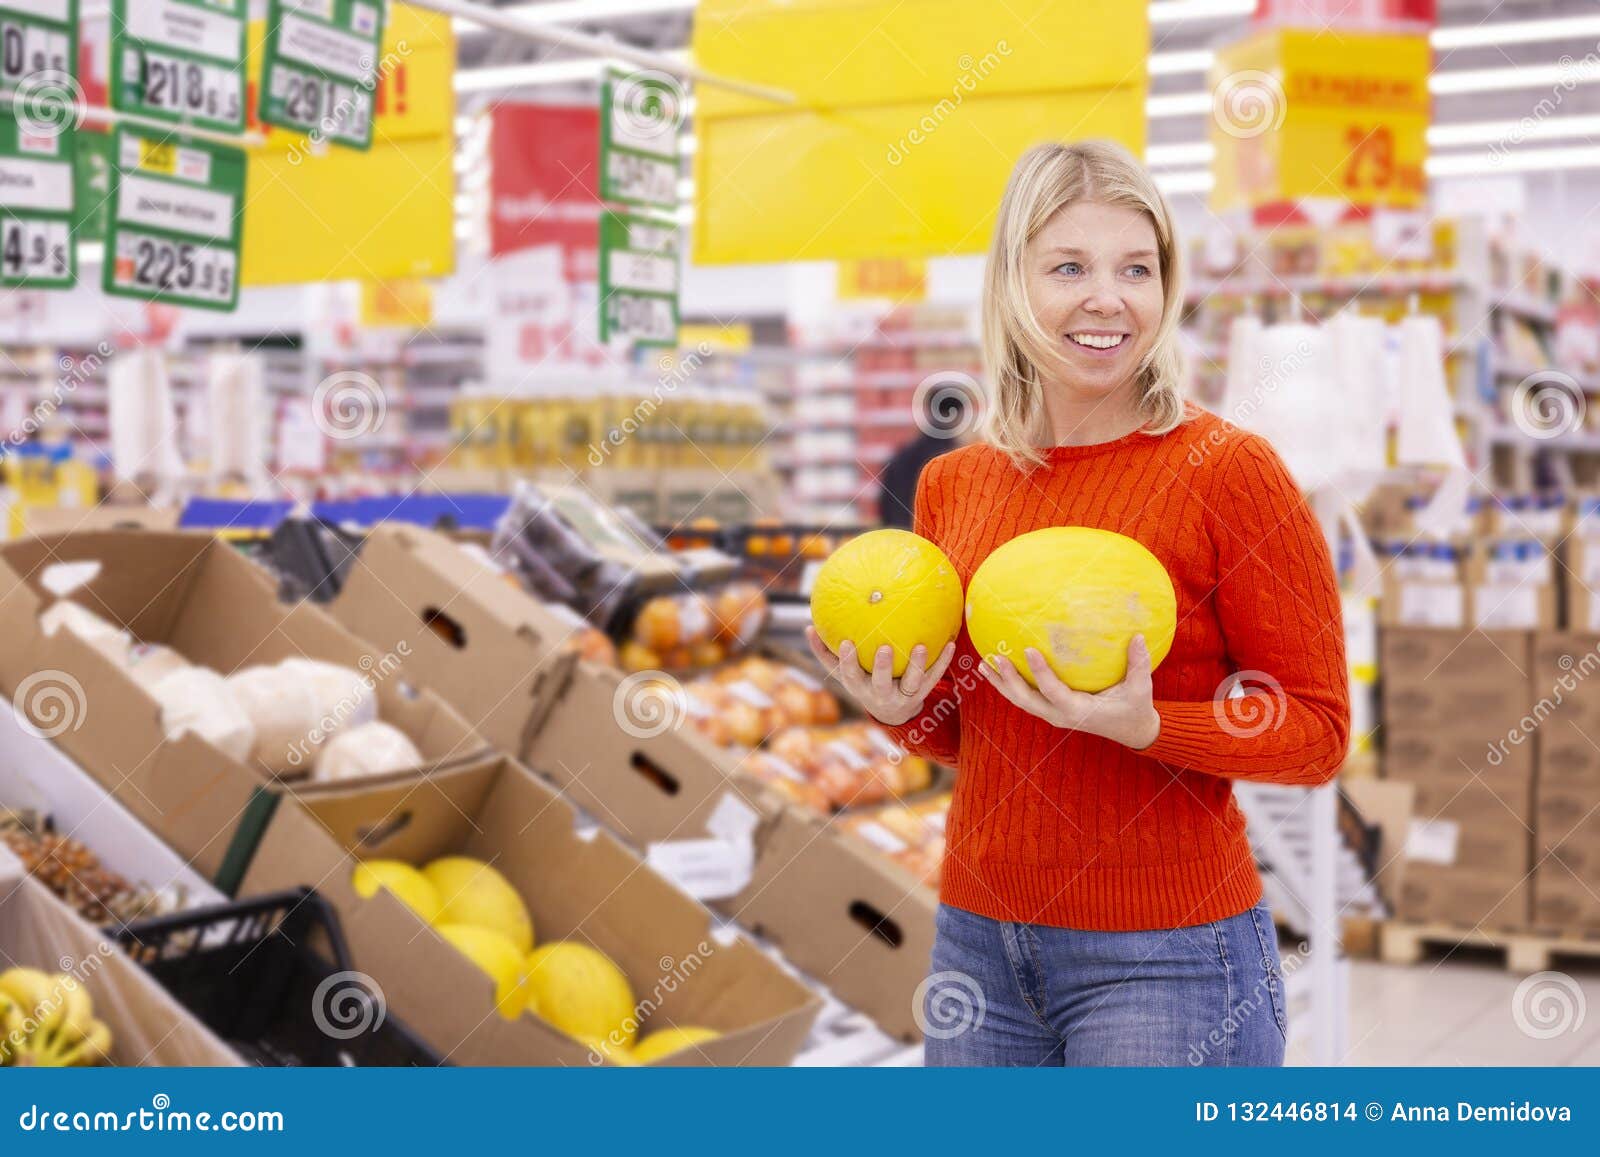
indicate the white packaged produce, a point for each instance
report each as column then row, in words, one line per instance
column 345, row 698
column 283, row 709
column 149, row 663
column 371, row 749
column 109, row 640
column 199, row 700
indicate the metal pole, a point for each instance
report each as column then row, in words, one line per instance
column 599, row 46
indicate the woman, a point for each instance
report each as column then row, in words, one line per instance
column 1099, row 900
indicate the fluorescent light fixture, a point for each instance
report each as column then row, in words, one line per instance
column 1519, row 161
column 1173, row 63
column 688, row 144
column 1566, row 76
column 1187, row 181
column 1176, row 11
column 685, row 188
column 524, row 75
column 1184, row 104
column 1515, row 32
column 1506, row 132
column 1172, row 156
column 577, row 11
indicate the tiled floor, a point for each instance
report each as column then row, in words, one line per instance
column 1469, row 1011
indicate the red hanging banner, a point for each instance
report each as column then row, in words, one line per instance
column 544, row 183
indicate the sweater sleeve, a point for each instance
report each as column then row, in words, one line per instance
column 936, row 733
column 1278, row 605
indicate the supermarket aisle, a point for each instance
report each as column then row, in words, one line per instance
column 1466, row 1010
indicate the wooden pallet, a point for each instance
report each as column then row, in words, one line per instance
column 1407, row 943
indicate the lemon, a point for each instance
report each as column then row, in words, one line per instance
column 498, row 957
column 887, row 586
column 409, row 886
column 579, row 990
column 1079, row 596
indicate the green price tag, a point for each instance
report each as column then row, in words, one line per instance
column 321, row 67
column 640, row 114
column 92, row 186
column 177, row 211
column 37, row 38
column 36, row 202
column 639, row 279
column 180, row 61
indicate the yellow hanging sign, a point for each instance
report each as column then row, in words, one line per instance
column 315, row 211
column 899, row 279
column 404, row 302
column 909, row 117
column 1297, row 114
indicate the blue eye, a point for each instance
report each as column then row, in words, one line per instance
column 1070, row 268
column 1139, row 271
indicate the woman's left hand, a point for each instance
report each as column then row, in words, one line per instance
column 1124, row 713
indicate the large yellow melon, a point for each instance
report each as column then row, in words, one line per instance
column 666, row 1041
column 471, row 892
column 1077, row 594
column 410, row 886
column 579, row 990
column 498, row 957
column 887, row 586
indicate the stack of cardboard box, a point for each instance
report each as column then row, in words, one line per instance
column 1452, row 702
column 1566, row 672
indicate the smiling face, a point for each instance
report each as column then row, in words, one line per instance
column 1094, row 283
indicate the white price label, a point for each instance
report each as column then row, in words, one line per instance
column 180, row 268
column 1432, row 841
column 26, row 49
column 642, row 318
column 326, row 48
column 33, row 249
column 345, row 110
column 190, row 88
column 644, row 179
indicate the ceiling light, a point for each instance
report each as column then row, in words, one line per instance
column 1187, row 181
column 576, row 12
column 1158, row 156
column 1520, row 161
column 520, row 75
column 1173, row 63
column 1515, row 32
column 1505, row 132
column 1174, row 11
column 1178, row 105
column 1567, row 76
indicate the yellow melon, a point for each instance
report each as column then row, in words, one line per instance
column 664, row 1042
column 498, row 957
column 887, row 586
column 471, row 892
column 1076, row 594
column 579, row 990
column 410, row 886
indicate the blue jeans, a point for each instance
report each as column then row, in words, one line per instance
column 1027, row 994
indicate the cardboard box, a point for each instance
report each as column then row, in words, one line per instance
column 1567, row 823
column 1564, row 902
column 1566, row 678
column 487, row 647
column 148, row 1027
column 1434, row 894
column 853, row 919
column 1470, row 823
column 1411, row 751
column 1447, row 680
column 1511, row 585
column 44, row 521
column 201, row 597
column 589, row 889
column 1580, row 580
column 1423, row 604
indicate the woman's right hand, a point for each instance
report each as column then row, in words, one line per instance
column 882, row 696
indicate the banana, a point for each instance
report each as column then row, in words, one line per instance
column 10, row 1023
column 77, row 1014
column 94, row 1048
column 36, row 992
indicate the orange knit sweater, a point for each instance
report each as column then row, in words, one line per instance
column 1051, row 826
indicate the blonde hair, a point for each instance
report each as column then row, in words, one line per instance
column 1046, row 179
